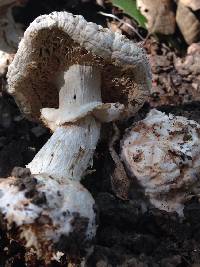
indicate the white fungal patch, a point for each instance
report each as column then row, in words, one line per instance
column 15, row 206
column 163, row 153
column 41, row 226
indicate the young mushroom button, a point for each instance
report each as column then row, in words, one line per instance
column 163, row 153
column 94, row 74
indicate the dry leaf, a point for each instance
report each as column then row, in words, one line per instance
column 175, row 81
column 114, row 26
column 100, row 2
column 188, row 24
column 194, row 48
column 10, row 33
column 160, row 15
column 6, row 2
column 193, row 4
column 191, row 63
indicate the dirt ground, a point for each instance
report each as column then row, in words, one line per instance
column 130, row 234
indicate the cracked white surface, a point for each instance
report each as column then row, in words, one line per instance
column 63, row 201
column 163, row 153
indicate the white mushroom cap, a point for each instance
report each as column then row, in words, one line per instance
column 48, row 217
column 53, row 43
column 163, row 153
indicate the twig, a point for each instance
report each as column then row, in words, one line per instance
column 119, row 181
column 123, row 22
column 113, row 140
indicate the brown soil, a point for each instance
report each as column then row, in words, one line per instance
column 128, row 234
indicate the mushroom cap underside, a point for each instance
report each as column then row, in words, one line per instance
column 52, row 43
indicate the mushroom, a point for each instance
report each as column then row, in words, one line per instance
column 63, row 59
column 95, row 75
column 47, row 217
column 163, row 153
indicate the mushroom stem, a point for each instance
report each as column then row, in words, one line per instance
column 70, row 149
